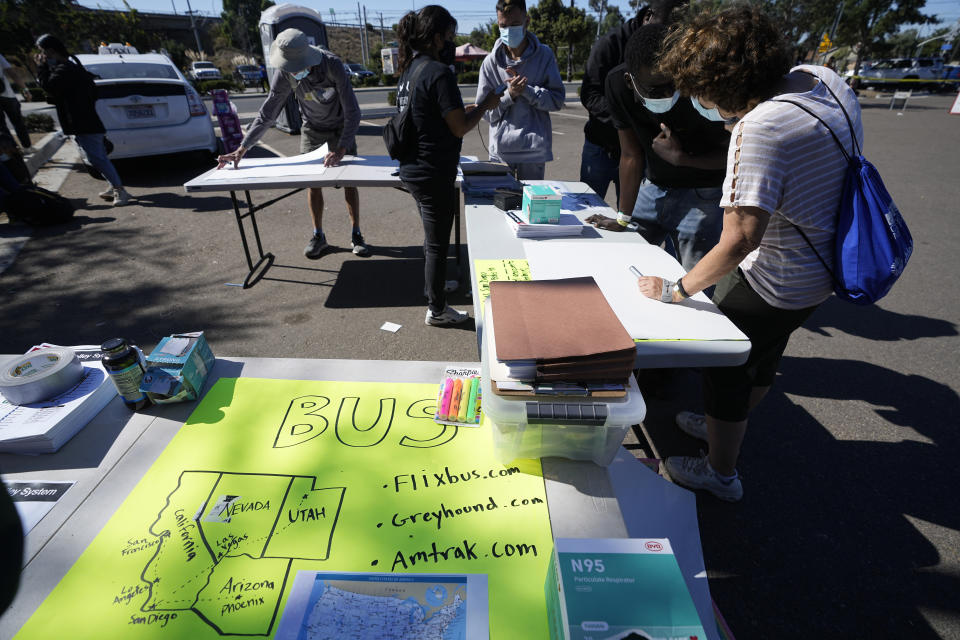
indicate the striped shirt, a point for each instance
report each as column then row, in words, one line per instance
column 783, row 161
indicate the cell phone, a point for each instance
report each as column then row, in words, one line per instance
column 499, row 90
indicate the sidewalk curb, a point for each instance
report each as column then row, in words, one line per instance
column 44, row 150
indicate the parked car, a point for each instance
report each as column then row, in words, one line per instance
column 247, row 74
column 951, row 77
column 355, row 70
column 892, row 71
column 203, row 70
column 148, row 107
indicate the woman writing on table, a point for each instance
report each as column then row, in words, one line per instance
column 441, row 121
column 784, row 174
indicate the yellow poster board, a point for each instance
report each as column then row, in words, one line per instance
column 269, row 477
column 488, row 271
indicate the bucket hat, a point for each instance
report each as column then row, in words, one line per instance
column 292, row 52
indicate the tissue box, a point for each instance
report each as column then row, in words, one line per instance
column 541, row 204
column 177, row 368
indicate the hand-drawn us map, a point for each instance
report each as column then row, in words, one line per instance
column 270, row 477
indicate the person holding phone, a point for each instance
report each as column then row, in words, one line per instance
column 521, row 134
column 428, row 86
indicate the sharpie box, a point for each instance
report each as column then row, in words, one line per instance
column 177, row 368
column 598, row 589
column 541, row 204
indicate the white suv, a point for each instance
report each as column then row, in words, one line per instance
column 203, row 70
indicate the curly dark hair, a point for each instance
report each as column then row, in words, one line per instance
column 643, row 47
column 734, row 58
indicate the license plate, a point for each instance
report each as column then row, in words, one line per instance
column 134, row 113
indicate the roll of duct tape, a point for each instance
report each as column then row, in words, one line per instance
column 39, row 375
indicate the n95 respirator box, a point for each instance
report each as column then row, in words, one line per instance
column 616, row 588
column 541, row 204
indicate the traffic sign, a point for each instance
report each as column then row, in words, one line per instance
column 825, row 44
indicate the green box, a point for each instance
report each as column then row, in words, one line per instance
column 541, row 204
column 177, row 368
column 607, row 589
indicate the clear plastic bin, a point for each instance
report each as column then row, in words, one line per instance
column 577, row 427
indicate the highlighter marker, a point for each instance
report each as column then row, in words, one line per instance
column 476, row 415
column 464, row 399
column 445, row 403
column 472, row 402
column 455, row 400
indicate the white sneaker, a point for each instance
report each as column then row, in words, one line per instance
column 451, row 285
column 448, row 317
column 693, row 424
column 696, row 473
column 120, row 197
column 106, row 194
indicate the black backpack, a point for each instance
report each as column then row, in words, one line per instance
column 400, row 133
column 38, row 207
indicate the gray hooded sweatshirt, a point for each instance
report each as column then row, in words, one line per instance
column 520, row 129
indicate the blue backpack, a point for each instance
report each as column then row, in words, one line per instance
column 873, row 243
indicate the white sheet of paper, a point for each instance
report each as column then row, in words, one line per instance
column 644, row 318
column 306, row 164
column 392, row 327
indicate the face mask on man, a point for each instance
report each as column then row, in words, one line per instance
column 447, row 52
column 711, row 114
column 512, row 36
column 300, row 75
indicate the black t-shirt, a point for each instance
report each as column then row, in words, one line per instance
column 697, row 135
column 434, row 96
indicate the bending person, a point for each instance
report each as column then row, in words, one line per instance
column 440, row 121
column 784, row 173
column 330, row 116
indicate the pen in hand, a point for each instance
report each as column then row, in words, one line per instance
column 635, row 271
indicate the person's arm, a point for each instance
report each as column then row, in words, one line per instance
column 460, row 121
column 351, row 113
column 667, row 146
column 490, row 80
column 743, row 228
column 269, row 110
column 632, row 164
column 552, row 96
column 591, row 87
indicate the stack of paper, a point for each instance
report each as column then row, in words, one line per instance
column 569, row 225
column 483, row 178
column 558, row 331
column 44, row 427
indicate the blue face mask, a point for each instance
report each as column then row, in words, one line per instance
column 661, row 105
column 300, row 75
column 710, row 114
column 512, row 36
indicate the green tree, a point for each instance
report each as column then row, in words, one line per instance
column 566, row 30
column 612, row 20
column 869, row 23
column 485, row 36
column 240, row 23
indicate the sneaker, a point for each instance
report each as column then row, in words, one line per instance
column 120, row 197
column 106, row 194
column 693, row 424
column 449, row 316
column 451, row 285
column 316, row 246
column 696, row 473
column 359, row 246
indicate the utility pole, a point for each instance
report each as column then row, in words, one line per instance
column 383, row 41
column 603, row 6
column 174, row 7
column 360, row 20
column 366, row 36
column 193, row 25
column 570, row 55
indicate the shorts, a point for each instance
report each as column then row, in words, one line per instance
column 311, row 139
column 726, row 390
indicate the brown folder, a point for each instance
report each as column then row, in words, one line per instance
column 557, row 320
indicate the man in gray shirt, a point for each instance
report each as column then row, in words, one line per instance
column 330, row 115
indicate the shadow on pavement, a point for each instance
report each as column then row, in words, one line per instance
column 876, row 323
column 830, row 539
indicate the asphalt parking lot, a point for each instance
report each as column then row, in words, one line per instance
column 846, row 530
